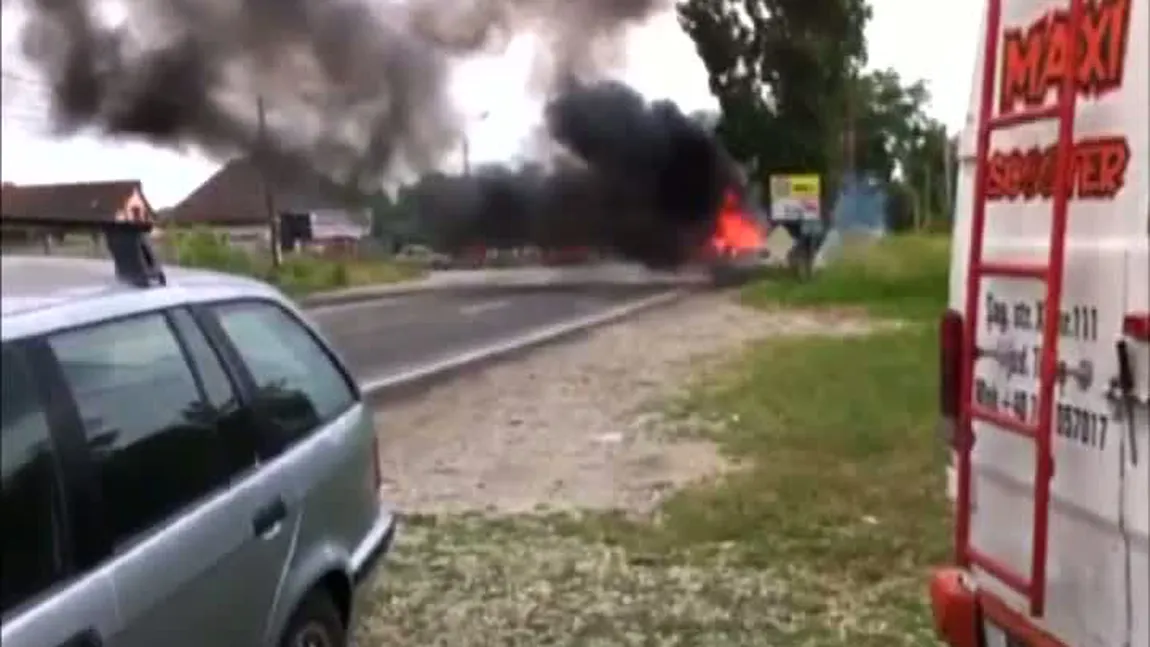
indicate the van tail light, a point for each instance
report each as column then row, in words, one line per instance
column 1137, row 326
column 376, row 465
column 955, row 608
column 951, row 351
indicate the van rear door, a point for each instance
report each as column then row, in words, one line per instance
column 1134, row 409
column 1096, row 567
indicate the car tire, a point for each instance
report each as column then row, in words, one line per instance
column 316, row 623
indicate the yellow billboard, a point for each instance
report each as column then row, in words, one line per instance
column 795, row 197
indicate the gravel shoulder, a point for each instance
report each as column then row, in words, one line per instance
column 488, row 466
column 576, row 425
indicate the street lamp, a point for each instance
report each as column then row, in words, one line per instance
column 467, row 143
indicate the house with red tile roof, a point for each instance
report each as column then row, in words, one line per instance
column 110, row 201
column 232, row 202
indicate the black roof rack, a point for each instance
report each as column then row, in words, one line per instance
column 127, row 241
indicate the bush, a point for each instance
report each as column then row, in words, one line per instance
column 298, row 273
column 203, row 248
column 903, row 276
column 303, row 274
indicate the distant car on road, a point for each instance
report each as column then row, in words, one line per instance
column 576, row 255
column 424, row 255
column 186, row 462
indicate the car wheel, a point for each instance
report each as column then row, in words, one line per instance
column 316, row 623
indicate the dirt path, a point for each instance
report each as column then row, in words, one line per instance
column 571, row 426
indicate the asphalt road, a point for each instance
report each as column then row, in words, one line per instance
column 385, row 336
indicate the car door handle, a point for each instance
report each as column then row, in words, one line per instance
column 267, row 519
column 86, row 638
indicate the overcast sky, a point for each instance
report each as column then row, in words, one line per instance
column 933, row 40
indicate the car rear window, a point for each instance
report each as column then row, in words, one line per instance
column 299, row 387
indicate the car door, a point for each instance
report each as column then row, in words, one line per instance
column 297, row 391
column 48, row 598
column 165, row 433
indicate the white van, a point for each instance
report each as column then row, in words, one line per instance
column 1051, row 506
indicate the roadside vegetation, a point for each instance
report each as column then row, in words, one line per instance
column 903, row 277
column 842, row 477
column 822, row 532
column 298, row 274
column 840, row 483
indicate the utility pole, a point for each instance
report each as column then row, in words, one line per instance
column 928, row 197
column 948, row 166
column 850, row 134
column 481, row 117
column 915, row 195
column 261, row 161
column 466, row 154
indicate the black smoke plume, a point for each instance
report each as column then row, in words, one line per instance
column 356, row 91
column 642, row 180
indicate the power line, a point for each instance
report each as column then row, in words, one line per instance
column 17, row 76
column 24, row 109
column 37, row 83
column 36, row 127
column 19, row 110
column 25, row 101
column 13, row 74
column 260, row 158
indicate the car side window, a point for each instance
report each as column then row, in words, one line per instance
column 216, row 386
column 298, row 387
column 32, row 556
column 238, row 439
column 155, row 437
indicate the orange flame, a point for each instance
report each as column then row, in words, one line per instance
column 735, row 230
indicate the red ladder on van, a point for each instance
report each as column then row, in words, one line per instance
column 1033, row 586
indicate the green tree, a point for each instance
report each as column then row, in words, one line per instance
column 781, row 72
column 889, row 120
column 708, row 119
column 382, row 215
column 926, row 169
column 395, row 221
column 900, row 144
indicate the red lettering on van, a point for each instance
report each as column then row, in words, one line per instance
column 1098, row 170
column 1035, row 58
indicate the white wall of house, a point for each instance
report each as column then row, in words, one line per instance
column 245, row 235
column 242, row 234
column 337, row 223
column 135, row 208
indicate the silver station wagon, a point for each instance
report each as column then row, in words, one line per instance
column 186, row 462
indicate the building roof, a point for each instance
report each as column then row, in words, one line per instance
column 95, row 201
column 234, row 195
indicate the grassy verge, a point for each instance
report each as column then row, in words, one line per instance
column 840, row 484
column 298, row 275
column 903, row 277
column 821, row 536
column 843, row 472
column 302, row 275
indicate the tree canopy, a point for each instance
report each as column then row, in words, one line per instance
column 779, row 69
column 794, row 96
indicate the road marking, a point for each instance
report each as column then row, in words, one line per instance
column 356, row 305
column 538, row 337
column 476, row 309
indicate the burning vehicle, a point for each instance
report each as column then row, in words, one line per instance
column 737, row 250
